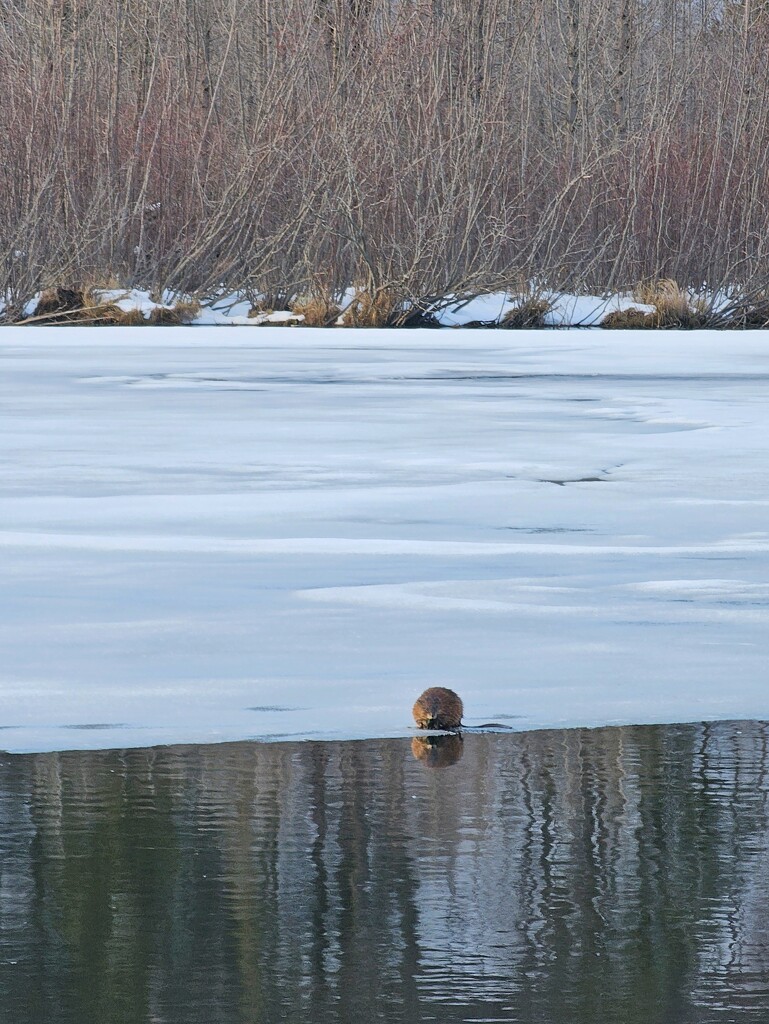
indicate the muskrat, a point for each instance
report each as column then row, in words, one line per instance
column 438, row 708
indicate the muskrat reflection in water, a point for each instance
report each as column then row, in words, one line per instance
column 437, row 751
column 438, row 708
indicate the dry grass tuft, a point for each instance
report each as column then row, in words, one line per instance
column 318, row 309
column 182, row 312
column 60, row 305
column 650, row 291
column 74, row 305
column 187, row 310
column 84, row 305
column 164, row 316
column 133, row 318
column 628, row 320
column 371, row 309
column 673, row 304
column 530, row 314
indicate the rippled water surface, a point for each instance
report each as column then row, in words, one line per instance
column 573, row 877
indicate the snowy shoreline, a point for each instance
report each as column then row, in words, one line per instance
column 672, row 308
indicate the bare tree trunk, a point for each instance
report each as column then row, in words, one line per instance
column 622, row 83
column 574, row 65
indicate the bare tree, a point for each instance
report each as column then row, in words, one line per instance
column 412, row 147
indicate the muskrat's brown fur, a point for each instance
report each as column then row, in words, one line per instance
column 438, row 708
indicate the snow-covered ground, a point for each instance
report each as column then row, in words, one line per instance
column 212, row 534
column 563, row 309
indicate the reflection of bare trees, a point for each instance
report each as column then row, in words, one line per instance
column 580, row 875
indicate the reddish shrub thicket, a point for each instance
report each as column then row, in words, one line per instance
column 419, row 148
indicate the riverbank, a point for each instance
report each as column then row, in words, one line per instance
column 663, row 305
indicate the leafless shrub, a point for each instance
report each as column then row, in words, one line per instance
column 738, row 307
column 479, row 325
column 747, row 314
column 417, row 314
column 259, row 307
column 451, row 147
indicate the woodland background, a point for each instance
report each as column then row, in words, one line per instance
column 421, row 146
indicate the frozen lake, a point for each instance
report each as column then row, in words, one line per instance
column 224, row 533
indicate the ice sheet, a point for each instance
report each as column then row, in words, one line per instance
column 209, row 533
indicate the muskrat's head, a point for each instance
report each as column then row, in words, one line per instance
column 438, row 708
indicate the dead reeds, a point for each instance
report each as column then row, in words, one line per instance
column 74, row 305
column 87, row 307
column 675, row 307
column 318, row 310
column 367, row 308
column 530, row 314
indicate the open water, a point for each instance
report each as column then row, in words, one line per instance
column 610, row 876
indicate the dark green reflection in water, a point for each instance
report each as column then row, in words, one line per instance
column 580, row 877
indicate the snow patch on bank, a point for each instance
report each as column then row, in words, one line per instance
column 562, row 309
column 557, row 309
